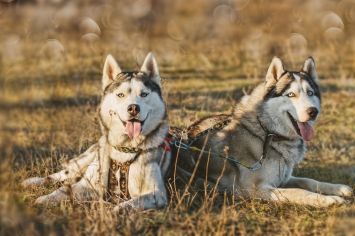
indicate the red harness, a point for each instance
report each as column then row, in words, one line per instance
column 166, row 144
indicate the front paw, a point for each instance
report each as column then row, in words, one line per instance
column 53, row 198
column 124, row 206
column 327, row 201
column 43, row 200
column 34, row 181
column 343, row 190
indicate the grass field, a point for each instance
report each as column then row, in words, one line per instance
column 208, row 52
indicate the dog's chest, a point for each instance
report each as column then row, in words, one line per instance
column 275, row 172
column 127, row 174
column 280, row 162
column 118, row 181
column 120, row 164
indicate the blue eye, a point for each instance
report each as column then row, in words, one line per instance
column 143, row 94
column 310, row 93
column 291, row 95
column 120, row 95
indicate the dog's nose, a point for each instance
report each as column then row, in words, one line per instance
column 133, row 109
column 312, row 112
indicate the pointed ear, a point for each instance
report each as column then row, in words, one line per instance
column 309, row 67
column 150, row 67
column 111, row 70
column 275, row 70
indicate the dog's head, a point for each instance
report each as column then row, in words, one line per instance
column 292, row 98
column 132, row 102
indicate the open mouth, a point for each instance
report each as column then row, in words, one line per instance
column 303, row 129
column 133, row 127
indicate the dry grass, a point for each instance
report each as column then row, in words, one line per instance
column 208, row 52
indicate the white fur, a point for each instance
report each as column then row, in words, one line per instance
column 150, row 66
column 310, row 67
column 146, row 173
column 114, row 109
column 110, row 71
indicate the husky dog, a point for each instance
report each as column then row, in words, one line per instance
column 134, row 125
column 254, row 151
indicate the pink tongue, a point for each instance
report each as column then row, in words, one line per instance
column 306, row 130
column 133, row 129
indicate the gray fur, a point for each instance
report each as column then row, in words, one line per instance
column 243, row 139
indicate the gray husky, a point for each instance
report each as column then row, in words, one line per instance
column 128, row 163
column 252, row 152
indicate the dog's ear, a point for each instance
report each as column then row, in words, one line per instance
column 150, row 67
column 309, row 67
column 275, row 70
column 111, row 70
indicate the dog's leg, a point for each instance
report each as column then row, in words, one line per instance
column 319, row 187
column 299, row 196
column 85, row 189
column 154, row 200
column 149, row 192
column 72, row 170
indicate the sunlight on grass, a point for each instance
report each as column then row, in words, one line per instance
column 52, row 55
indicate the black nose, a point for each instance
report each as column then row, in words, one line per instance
column 133, row 109
column 312, row 112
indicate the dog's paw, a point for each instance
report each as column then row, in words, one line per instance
column 124, row 207
column 34, row 181
column 327, row 201
column 343, row 190
column 53, row 198
column 43, row 200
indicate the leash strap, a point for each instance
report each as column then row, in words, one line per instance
column 178, row 143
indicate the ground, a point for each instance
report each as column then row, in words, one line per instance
column 50, row 90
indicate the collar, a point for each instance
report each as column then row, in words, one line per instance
column 165, row 145
column 128, row 149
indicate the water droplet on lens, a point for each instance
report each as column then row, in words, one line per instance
column 331, row 19
column 88, row 25
column 90, row 37
column 224, row 13
column 297, row 45
column 297, row 41
column 53, row 49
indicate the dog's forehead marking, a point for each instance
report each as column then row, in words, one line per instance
column 296, row 84
column 309, row 83
column 297, row 80
column 118, row 86
column 132, row 86
column 138, row 84
column 129, row 77
column 306, row 86
column 301, row 82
